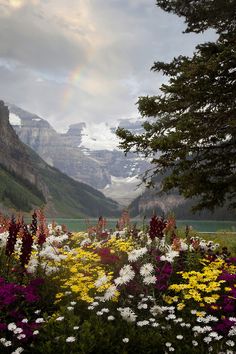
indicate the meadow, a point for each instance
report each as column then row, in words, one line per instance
column 154, row 289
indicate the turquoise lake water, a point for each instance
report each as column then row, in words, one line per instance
column 201, row 226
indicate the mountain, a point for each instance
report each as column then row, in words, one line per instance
column 58, row 150
column 27, row 181
column 89, row 153
column 86, row 152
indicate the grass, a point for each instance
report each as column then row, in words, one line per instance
column 225, row 239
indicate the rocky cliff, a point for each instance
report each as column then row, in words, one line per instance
column 78, row 154
column 59, row 150
column 14, row 155
column 28, row 173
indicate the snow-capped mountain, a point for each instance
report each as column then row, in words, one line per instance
column 28, row 182
column 99, row 142
column 86, row 152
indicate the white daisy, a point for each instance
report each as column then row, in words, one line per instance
column 101, row 281
column 110, row 293
column 60, row 318
column 128, row 314
column 134, row 255
column 169, row 256
column 146, row 269
column 70, row 339
column 126, row 274
column 151, row 279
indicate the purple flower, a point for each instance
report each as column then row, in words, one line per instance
column 31, row 297
column 16, row 303
column 3, row 326
column 231, row 278
column 28, row 328
column 163, row 273
column 37, row 282
column 223, row 326
column 231, row 260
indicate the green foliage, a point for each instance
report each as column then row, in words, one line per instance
column 17, row 193
column 96, row 335
column 203, row 14
column 191, row 136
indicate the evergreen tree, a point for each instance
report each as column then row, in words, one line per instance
column 191, row 133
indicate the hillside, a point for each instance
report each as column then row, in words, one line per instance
column 27, row 181
column 17, row 193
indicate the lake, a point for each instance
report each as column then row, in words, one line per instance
column 198, row 225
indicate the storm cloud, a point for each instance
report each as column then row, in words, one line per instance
column 85, row 60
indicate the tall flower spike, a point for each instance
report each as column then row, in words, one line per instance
column 26, row 248
column 124, row 220
column 157, row 227
column 34, row 224
column 11, row 240
column 42, row 230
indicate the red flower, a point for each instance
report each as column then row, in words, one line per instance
column 26, row 248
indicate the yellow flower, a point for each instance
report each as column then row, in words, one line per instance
column 73, row 269
column 168, row 299
column 180, row 306
column 209, row 300
column 120, row 244
column 227, row 288
column 82, row 269
column 200, row 314
column 196, row 285
column 214, row 307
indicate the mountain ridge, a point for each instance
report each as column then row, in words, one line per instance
column 63, row 195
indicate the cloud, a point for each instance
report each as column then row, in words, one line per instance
column 16, row 3
column 27, row 37
column 98, row 137
column 85, row 60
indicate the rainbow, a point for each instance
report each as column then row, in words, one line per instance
column 72, row 82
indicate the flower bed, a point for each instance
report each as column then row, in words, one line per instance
column 148, row 290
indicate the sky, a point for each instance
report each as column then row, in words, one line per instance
column 88, row 61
